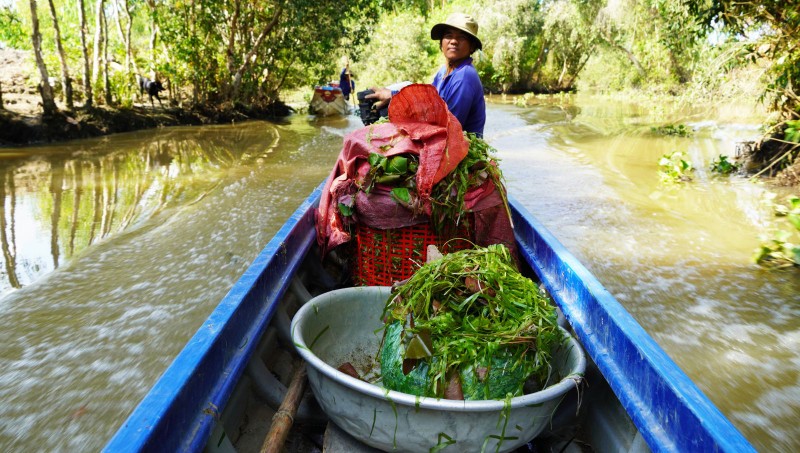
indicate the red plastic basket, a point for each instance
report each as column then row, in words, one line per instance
column 383, row 257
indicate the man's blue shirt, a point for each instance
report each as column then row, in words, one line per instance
column 463, row 92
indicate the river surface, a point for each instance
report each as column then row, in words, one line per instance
column 116, row 249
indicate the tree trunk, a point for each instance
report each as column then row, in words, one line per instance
column 153, row 34
column 237, row 78
column 62, row 57
column 128, row 46
column 563, row 73
column 98, row 29
column 48, row 102
column 628, row 53
column 106, row 80
column 232, row 37
column 125, row 37
column 87, row 79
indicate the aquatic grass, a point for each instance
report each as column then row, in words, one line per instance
column 721, row 165
column 781, row 251
column 473, row 308
column 448, row 196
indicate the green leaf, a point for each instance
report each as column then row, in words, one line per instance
column 402, row 194
column 398, row 165
column 387, row 179
column 419, row 346
column 376, row 160
column 794, row 219
column 345, row 210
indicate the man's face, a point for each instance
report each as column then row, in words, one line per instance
column 456, row 45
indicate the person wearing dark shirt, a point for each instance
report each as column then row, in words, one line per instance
column 346, row 83
column 457, row 81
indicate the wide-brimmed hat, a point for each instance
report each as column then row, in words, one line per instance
column 458, row 21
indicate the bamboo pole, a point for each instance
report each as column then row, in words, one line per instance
column 283, row 419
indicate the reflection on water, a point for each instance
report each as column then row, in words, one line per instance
column 136, row 241
column 115, row 250
column 77, row 195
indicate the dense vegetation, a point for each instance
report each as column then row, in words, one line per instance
column 235, row 52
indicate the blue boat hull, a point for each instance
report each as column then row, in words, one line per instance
column 666, row 409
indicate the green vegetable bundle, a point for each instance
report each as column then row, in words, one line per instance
column 470, row 314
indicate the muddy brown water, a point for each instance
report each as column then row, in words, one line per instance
column 116, row 249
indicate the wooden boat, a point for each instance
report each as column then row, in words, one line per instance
column 328, row 100
column 637, row 399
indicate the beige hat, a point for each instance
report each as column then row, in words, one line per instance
column 458, row 21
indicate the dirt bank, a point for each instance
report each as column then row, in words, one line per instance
column 27, row 129
column 22, row 122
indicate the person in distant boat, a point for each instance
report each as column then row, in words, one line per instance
column 346, row 83
column 457, row 81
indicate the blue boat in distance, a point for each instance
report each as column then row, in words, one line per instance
column 637, row 398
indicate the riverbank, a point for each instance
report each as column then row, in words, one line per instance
column 21, row 129
column 22, row 122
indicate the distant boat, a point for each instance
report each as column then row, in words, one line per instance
column 636, row 399
column 328, row 100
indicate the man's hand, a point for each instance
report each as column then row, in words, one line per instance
column 383, row 95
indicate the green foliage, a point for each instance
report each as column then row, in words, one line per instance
column 526, row 45
column 400, row 49
column 679, row 130
column 651, row 45
column 448, row 197
column 792, row 131
column 511, row 32
column 779, row 252
column 570, row 40
column 772, row 31
column 547, row 45
column 723, row 166
column 13, row 33
column 673, row 168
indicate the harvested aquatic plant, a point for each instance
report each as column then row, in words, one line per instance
column 448, row 201
column 448, row 198
column 468, row 320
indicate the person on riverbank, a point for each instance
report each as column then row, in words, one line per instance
column 457, row 81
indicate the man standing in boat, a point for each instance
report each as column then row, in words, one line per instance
column 346, row 83
column 457, row 81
